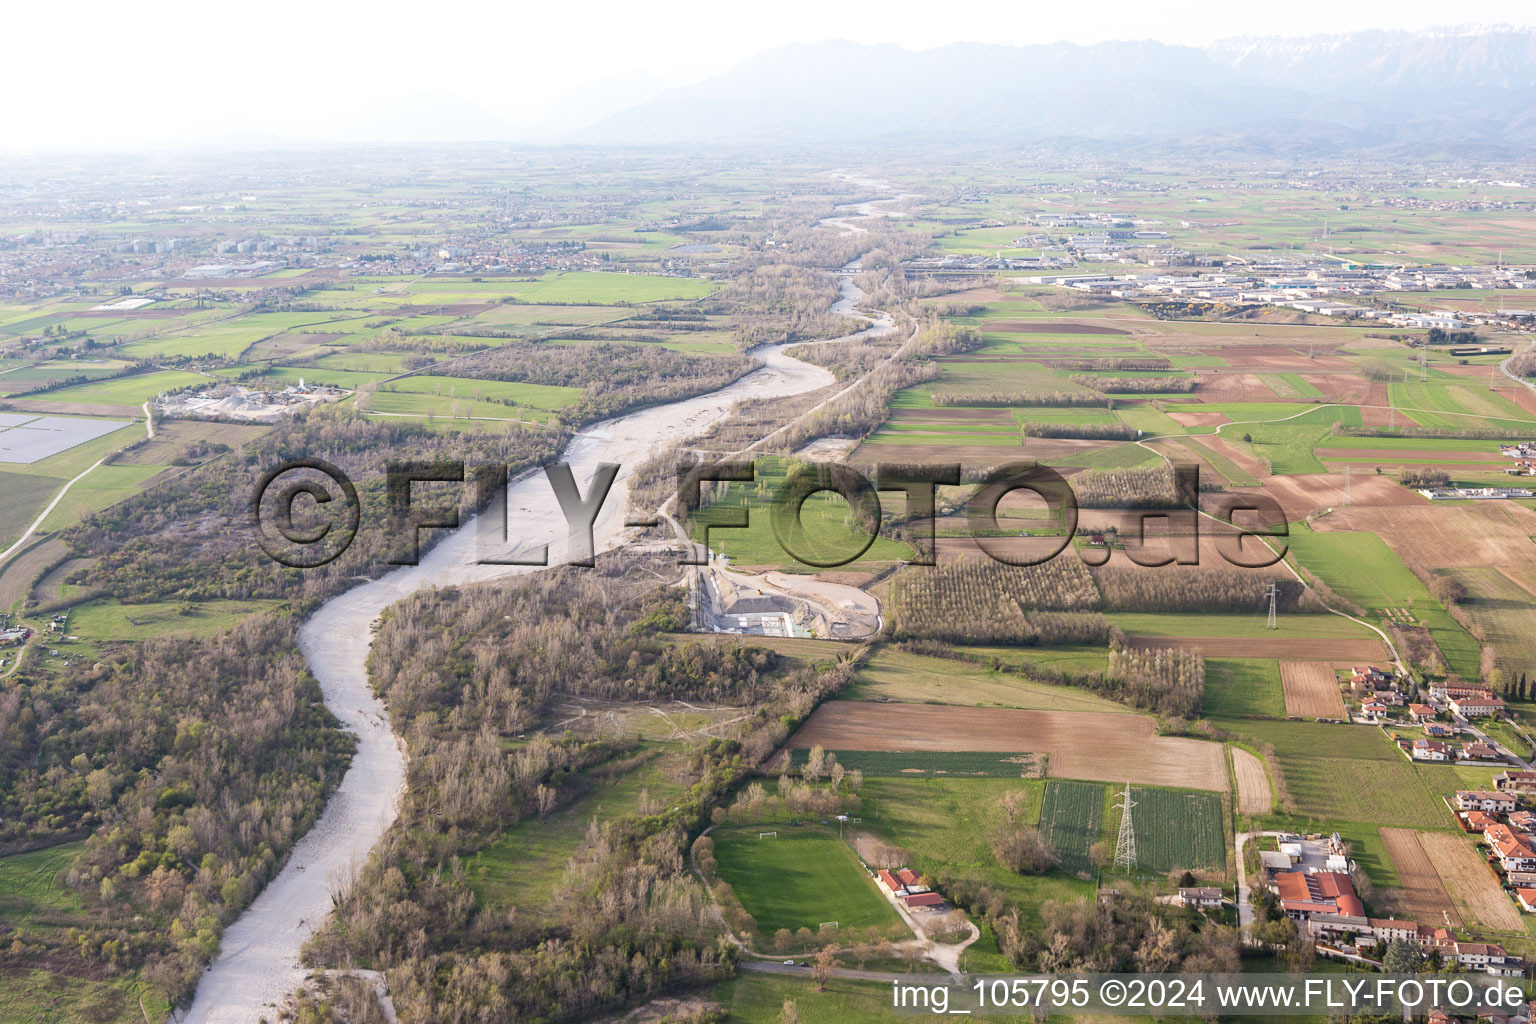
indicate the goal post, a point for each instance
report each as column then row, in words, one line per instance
column 826, row 924
column 767, row 835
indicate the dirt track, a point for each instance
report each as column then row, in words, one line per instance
column 1311, row 689
column 1081, row 745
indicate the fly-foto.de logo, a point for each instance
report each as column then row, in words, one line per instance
column 306, row 513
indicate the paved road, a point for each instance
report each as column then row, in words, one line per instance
column 1467, row 724
column 1504, row 369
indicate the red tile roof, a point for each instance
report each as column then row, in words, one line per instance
column 1325, row 891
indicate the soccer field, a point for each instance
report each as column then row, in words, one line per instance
column 799, row 878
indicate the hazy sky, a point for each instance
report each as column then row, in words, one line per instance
column 96, row 75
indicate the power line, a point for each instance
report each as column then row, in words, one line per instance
column 1125, row 843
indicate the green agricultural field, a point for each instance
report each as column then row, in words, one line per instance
column 1151, row 421
column 1289, row 447
column 103, row 487
column 1342, row 773
column 1243, row 686
column 800, row 878
column 757, row 998
column 1457, row 405
column 1115, row 456
column 134, row 390
column 597, row 288
column 947, row 823
column 113, row 620
column 1070, row 658
column 977, row 764
column 26, row 495
column 1411, row 444
column 1072, row 821
column 1178, row 830
column 1361, row 567
column 226, row 339
column 20, row 377
column 465, row 396
column 265, row 376
column 895, row 675
column 1290, row 385
column 1504, row 611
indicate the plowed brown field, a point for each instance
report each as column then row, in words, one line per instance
column 1081, row 745
column 1337, row 649
column 1496, row 533
column 1253, row 795
column 1470, row 881
column 1420, row 895
column 1311, row 689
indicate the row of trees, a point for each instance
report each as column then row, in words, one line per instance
column 1084, row 431
column 1135, row 385
column 1012, row 399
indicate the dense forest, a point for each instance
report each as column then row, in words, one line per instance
column 191, row 539
column 193, row 766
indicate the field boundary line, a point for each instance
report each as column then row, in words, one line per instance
column 8, row 552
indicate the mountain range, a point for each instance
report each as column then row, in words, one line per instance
column 1438, row 93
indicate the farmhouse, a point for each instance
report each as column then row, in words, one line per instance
column 1371, row 676
column 1373, row 710
column 1303, row 894
column 1481, row 957
column 1443, row 690
column 906, row 885
column 1439, row 729
column 1273, row 862
column 1479, row 751
column 1362, row 931
column 1200, row 896
column 1479, row 821
column 1431, row 750
column 14, row 636
column 1527, row 900
column 1515, row 782
column 1473, row 707
column 1422, row 712
column 1484, row 800
column 1514, row 852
